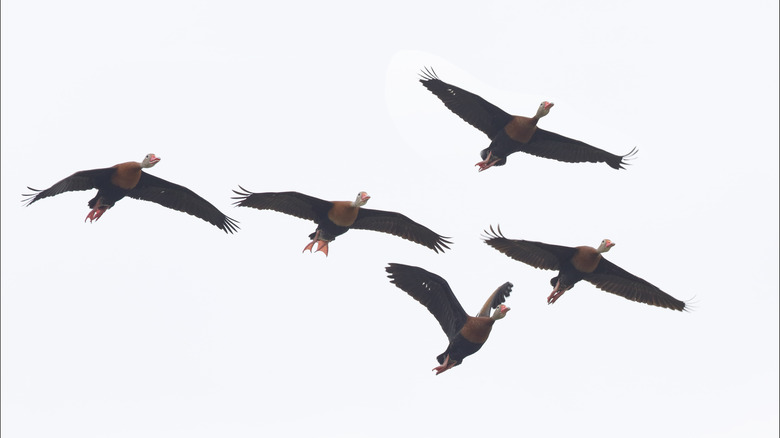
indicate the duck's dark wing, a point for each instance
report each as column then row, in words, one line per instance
column 475, row 110
column 292, row 203
column 557, row 147
column 496, row 298
column 431, row 291
column 83, row 180
column 399, row 225
column 180, row 198
column 537, row 254
column 614, row 279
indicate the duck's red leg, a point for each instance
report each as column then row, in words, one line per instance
column 96, row 212
column 322, row 245
column 486, row 163
column 313, row 241
column 445, row 366
column 556, row 293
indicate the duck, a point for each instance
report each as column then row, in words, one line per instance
column 334, row 218
column 582, row 263
column 509, row 133
column 129, row 179
column 466, row 334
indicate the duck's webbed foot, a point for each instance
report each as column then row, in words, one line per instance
column 486, row 163
column 322, row 245
column 96, row 212
column 445, row 366
column 556, row 293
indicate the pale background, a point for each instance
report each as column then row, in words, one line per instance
column 152, row 323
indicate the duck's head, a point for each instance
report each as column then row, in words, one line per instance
column 361, row 199
column 500, row 312
column 605, row 246
column 544, row 109
column 149, row 161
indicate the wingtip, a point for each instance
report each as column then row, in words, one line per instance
column 391, row 270
column 505, row 290
column 242, row 196
column 688, row 305
column 29, row 198
column 441, row 244
column 624, row 159
column 243, row 191
column 230, row 225
column 492, row 234
column 428, row 74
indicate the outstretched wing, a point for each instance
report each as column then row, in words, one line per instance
column 475, row 110
column 612, row 278
column 431, row 291
column 292, row 203
column 496, row 298
column 180, row 198
column 537, row 254
column 83, row 180
column 399, row 225
column 557, row 147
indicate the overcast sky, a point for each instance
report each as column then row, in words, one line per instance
column 154, row 323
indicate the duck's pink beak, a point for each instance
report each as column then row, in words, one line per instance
column 548, row 105
column 154, row 158
column 365, row 197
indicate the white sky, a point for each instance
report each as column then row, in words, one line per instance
column 153, row 323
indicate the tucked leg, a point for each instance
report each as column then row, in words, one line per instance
column 445, row 366
column 556, row 293
column 96, row 212
column 486, row 163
